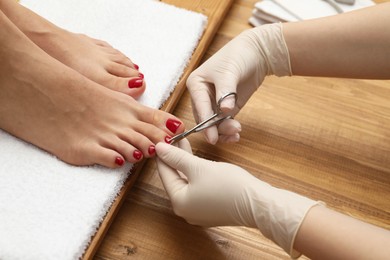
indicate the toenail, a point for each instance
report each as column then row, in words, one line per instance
column 173, row 125
column 137, row 154
column 141, row 75
column 135, row 83
column 168, row 139
column 152, row 149
column 136, row 66
column 119, row 161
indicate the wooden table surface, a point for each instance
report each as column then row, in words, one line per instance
column 328, row 139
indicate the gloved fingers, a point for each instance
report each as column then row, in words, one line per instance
column 170, row 178
column 201, row 96
column 211, row 135
column 202, row 104
column 227, row 131
column 185, row 145
column 229, row 127
column 224, row 84
column 178, row 159
column 229, row 138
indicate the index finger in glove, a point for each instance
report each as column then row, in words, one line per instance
column 185, row 145
column 178, row 159
column 201, row 96
column 170, row 178
column 202, row 104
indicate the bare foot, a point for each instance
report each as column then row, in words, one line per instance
column 95, row 59
column 59, row 110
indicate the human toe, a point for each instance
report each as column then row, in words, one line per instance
column 134, row 86
column 95, row 154
column 120, row 58
column 144, row 140
column 130, row 152
column 167, row 122
column 121, row 70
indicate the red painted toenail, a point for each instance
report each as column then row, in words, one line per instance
column 152, row 149
column 137, row 154
column 168, row 139
column 119, row 161
column 141, row 75
column 136, row 66
column 173, row 125
column 135, row 83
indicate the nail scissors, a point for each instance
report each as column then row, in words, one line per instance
column 206, row 123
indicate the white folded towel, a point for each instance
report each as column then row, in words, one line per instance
column 49, row 209
column 271, row 11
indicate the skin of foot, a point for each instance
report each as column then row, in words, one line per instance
column 61, row 111
column 95, row 59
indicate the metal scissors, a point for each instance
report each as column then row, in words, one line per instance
column 206, row 123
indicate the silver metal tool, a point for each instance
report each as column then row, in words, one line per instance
column 208, row 122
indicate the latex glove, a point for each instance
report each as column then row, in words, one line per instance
column 240, row 66
column 208, row 193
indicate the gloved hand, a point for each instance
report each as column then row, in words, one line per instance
column 208, row 193
column 240, row 66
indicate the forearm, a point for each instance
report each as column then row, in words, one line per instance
column 354, row 44
column 326, row 234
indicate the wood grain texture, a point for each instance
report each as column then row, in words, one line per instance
column 328, row 139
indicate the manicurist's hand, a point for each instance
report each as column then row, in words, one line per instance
column 240, row 66
column 209, row 193
column 204, row 192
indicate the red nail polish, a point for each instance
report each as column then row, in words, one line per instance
column 172, row 125
column 136, row 66
column 140, row 75
column 168, row 139
column 119, row 161
column 135, row 83
column 137, row 154
column 152, row 149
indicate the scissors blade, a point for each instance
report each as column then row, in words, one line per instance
column 216, row 122
column 199, row 127
column 205, row 124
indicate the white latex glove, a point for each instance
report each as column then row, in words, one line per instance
column 240, row 66
column 208, row 193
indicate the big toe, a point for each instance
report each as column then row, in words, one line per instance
column 167, row 122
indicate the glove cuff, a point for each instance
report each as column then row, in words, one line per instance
column 280, row 216
column 273, row 46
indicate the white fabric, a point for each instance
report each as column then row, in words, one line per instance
column 268, row 11
column 48, row 209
